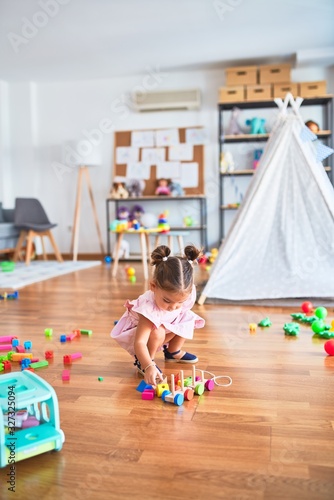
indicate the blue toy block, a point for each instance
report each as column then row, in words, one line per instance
column 142, row 386
column 15, row 342
column 27, row 344
column 63, row 338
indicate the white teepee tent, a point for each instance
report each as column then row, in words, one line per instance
column 281, row 243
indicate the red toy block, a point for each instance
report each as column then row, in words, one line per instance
column 7, row 365
column 20, row 348
column 65, row 375
column 48, row 354
column 67, row 359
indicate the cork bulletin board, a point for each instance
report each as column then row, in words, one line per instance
column 123, row 139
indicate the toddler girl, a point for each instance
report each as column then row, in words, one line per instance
column 161, row 317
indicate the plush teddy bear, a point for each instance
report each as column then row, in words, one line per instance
column 118, row 191
column 135, row 187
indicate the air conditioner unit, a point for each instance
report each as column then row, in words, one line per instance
column 167, row 100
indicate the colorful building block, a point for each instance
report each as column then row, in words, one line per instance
column 7, row 338
column 62, row 338
column 39, row 364
column 86, row 332
column 65, row 375
column 48, row 332
column 19, row 348
column 148, row 394
column 7, row 365
column 15, row 342
column 5, row 347
column 48, row 354
column 18, row 356
column 27, row 344
column 68, row 358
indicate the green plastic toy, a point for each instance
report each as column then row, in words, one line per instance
column 291, row 329
column 265, row 322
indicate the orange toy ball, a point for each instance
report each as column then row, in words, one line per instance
column 131, row 271
column 329, row 347
column 307, row 307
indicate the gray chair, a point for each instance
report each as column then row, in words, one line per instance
column 32, row 221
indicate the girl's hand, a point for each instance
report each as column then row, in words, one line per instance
column 153, row 375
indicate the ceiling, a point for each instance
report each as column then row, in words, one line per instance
column 89, row 39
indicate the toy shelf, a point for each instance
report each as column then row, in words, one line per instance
column 200, row 199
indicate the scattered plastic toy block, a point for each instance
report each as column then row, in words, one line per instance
column 39, row 364
column 265, row 322
column 161, row 388
column 62, row 338
column 252, row 327
column 15, row 342
column 71, row 357
column 148, row 394
column 100, row 379
column 5, row 347
column 65, row 375
column 25, row 362
column 86, row 332
column 34, row 360
column 27, row 344
column 48, row 332
column 7, row 365
column 7, row 338
column 18, row 356
column 71, row 336
column 142, row 386
column 1, row 367
column 48, row 354
column 20, row 348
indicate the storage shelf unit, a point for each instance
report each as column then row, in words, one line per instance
column 201, row 227
column 326, row 102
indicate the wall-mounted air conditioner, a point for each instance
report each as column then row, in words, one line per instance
column 167, row 100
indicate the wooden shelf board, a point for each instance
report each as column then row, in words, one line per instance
column 238, row 172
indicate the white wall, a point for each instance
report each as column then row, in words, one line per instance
column 43, row 117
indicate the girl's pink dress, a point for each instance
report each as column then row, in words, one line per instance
column 181, row 321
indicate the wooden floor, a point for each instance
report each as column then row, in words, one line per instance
column 270, row 435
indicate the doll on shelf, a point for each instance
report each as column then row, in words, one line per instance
column 162, row 188
column 119, row 191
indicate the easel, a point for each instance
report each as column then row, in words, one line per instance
column 83, row 169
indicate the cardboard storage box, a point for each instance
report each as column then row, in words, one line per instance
column 281, row 89
column 243, row 75
column 232, row 94
column 258, row 92
column 275, row 73
column 312, row 89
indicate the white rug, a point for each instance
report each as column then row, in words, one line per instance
column 39, row 271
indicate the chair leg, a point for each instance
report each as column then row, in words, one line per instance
column 29, row 247
column 19, row 245
column 54, row 245
column 45, row 257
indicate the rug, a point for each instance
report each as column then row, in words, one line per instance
column 39, row 271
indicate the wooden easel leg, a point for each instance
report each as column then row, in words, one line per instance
column 19, row 244
column 180, row 241
column 76, row 223
column 90, row 190
column 55, row 247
